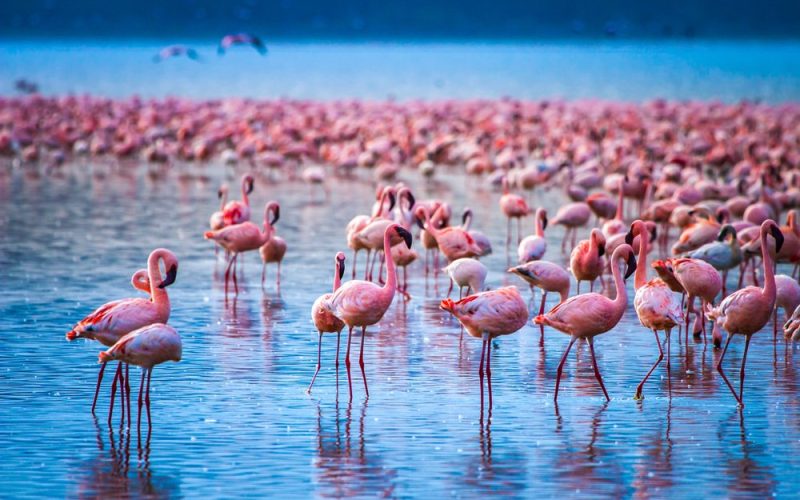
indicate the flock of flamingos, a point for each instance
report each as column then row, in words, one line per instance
column 723, row 176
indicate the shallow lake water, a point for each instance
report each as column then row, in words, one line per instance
column 233, row 418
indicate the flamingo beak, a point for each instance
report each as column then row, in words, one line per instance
column 340, row 267
column 219, row 193
column 250, row 185
column 629, row 236
column 391, row 201
column 411, row 200
column 467, row 214
column 776, row 233
column 276, row 212
column 544, row 222
column 601, row 250
column 653, row 234
column 420, row 223
column 631, row 265
column 172, row 273
column 405, row 235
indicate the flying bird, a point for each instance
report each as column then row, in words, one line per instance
column 229, row 41
column 176, row 51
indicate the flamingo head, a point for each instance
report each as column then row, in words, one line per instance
column 249, row 183
column 631, row 264
column 776, row 233
column 544, row 220
column 172, row 273
column 466, row 215
column 727, row 230
column 521, row 271
column 340, row 264
column 403, row 233
column 274, row 209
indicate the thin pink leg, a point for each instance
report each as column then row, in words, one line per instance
column 741, row 373
column 347, row 361
column 97, row 389
column 480, row 367
column 117, row 376
column 561, row 366
column 128, row 392
column 639, row 388
column 338, row 342
column 227, row 273
column 489, row 370
column 541, row 311
column 147, row 397
column 596, row 370
column 355, row 255
column 722, row 373
column 235, row 280
column 361, row 359
column 669, row 377
column 319, row 364
column 141, row 388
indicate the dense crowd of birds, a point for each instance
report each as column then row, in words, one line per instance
column 723, row 176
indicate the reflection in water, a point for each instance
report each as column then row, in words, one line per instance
column 654, row 474
column 115, row 473
column 747, row 474
column 343, row 465
column 492, row 469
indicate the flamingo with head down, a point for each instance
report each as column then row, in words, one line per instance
column 324, row 319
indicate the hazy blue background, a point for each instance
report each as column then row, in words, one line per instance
column 369, row 19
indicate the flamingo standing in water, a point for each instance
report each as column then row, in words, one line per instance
column 146, row 347
column 363, row 303
column 787, row 297
column 238, row 238
column 533, row 247
column 468, row 273
column 324, row 319
column 113, row 320
column 453, row 241
column 271, row 252
column 586, row 259
column 487, row 315
column 656, row 305
column 591, row 314
column 547, row 276
column 699, row 279
column 513, row 206
column 358, row 223
column 236, row 212
column 572, row 216
column 217, row 220
column 747, row 310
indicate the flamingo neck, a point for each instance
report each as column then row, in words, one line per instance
column 245, row 199
column 158, row 295
column 391, row 273
column 640, row 278
column 621, row 300
column 769, row 268
column 539, row 228
column 467, row 222
column 223, row 200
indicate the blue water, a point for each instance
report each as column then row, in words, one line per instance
column 232, row 417
column 728, row 71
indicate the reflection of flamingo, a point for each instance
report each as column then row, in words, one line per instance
column 487, row 315
column 113, row 320
column 145, row 347
column 272, row 252
column 746, row 311
column 655, row 304
column 585, row 316
column 324, row 319
column 363, row 303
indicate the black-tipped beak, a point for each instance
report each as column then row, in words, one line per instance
column 420, row 223
column 725, row 231
column 721, row 217
column 250, row 185
column 405, row 235
column 219, row 193
column 172, row 273
column 653, row 234
column 340, row 267
column 276, row 214
column 544, row 222
column 778, row 235
column 629, row 237
column 520, row 270
column 466, row 215
column 391, row 201
column 601, row 250
column 411, row 200
column 631, row 265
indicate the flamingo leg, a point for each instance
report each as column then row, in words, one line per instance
column 741, row 373
column 480, row 367
column 147, row 397
column 450, row 290
column 541, row 311
column 519, row 239
column 235, row 279
column 639, row 388
column 669, row 377
column 128, row 392
column 141, row 387
column 117, row 376
column 489, row 371
column 278, row 278
column 319, row 364
column 97, row 389
column 122, row 394
column 596, row 370
column 347, row 361
column 722, row 373
column 366, row 268
column 227, row 274
column 263, row 274
column 508, row 232
column 355, row 255
column 561, row 366
column 361, row 359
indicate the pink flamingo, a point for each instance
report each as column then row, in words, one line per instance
column 549, row 277
column 324, row 319
column 363, row 303
column 217, row 220
column 591, row 314
column 699, row 279
column 360, row 222
column 480, row 239
column 145, row 347
column 787, row 297
column 238, row 238
column 272, row 251
column 236, row 212
column 617, row 224
column 513, row 206
column 487, row 315
column 747, row 310
column 533, row 247
column 468, row 273
column 229, row 41
column 111, row 321
column 656, row 305
column 586, row 259
column 572, row 216
column 453, row 241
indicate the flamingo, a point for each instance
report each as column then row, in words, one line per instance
column 468, row 273
column 359, row 222
column 723, row 254
column 791, row 329
column 533, row 247
column 111, row 321
column 272, row 252
column 229, row 41
column 787, row 297
column 237, row 212
column 481, row 239
column 363, row 303
column 176, row 51
column 572, row 216
column 586, row 259
column 656, row 305
column 145, row 347
column 746, row 311
column 487, row 315
column 513, row 206
column 453, row 241
column 699, row 279
column 549, row 277
column 617, row 224
column 324, row 319
column 588, row 315
column 217, row 220
column 243, row 237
